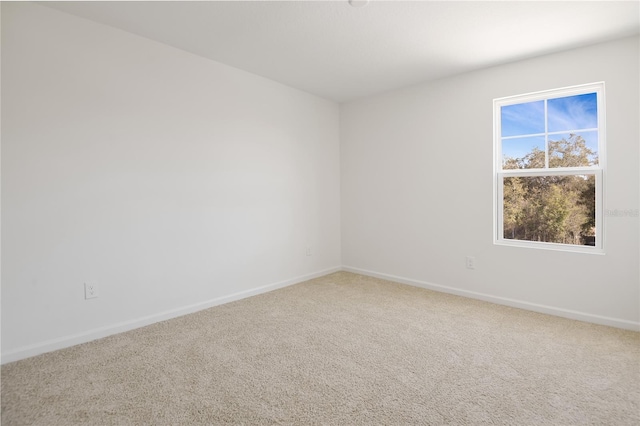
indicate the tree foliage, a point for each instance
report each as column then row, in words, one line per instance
column 558, row 209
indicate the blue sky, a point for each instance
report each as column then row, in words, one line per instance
column 518, row 148
column 522, row 119
column 564, row 114
column 572, row 113
column 567, row 113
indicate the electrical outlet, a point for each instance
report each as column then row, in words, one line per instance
column 308, row 251
column 470, row 262
column 90, row 290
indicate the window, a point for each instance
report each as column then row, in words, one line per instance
column 549, row 165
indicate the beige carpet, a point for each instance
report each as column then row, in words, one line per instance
column 339, row 350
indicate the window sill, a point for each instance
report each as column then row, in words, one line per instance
column 572, row 248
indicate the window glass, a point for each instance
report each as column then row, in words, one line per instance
column 573, row 113
column 523, row 119
column 573, row 149
column 523, row 153
column 551, row 209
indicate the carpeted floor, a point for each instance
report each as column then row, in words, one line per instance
column 338, row 350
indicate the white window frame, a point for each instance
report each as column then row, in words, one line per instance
column 598, row 170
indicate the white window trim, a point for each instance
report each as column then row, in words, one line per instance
column 599, row 170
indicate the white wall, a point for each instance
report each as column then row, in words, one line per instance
column 416, row 189
column 171, row 181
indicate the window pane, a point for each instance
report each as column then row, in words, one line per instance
column 523, row 153
column 522, row 119
column 573, row 149
column 552, row 209
column 573, row 113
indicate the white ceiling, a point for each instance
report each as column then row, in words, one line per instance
column 339, row 52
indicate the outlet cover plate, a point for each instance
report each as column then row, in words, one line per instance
column 470, row 262
column 90, row 290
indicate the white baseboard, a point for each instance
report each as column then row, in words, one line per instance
column 76, row 339
column 98, row 333
column 550, row 310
